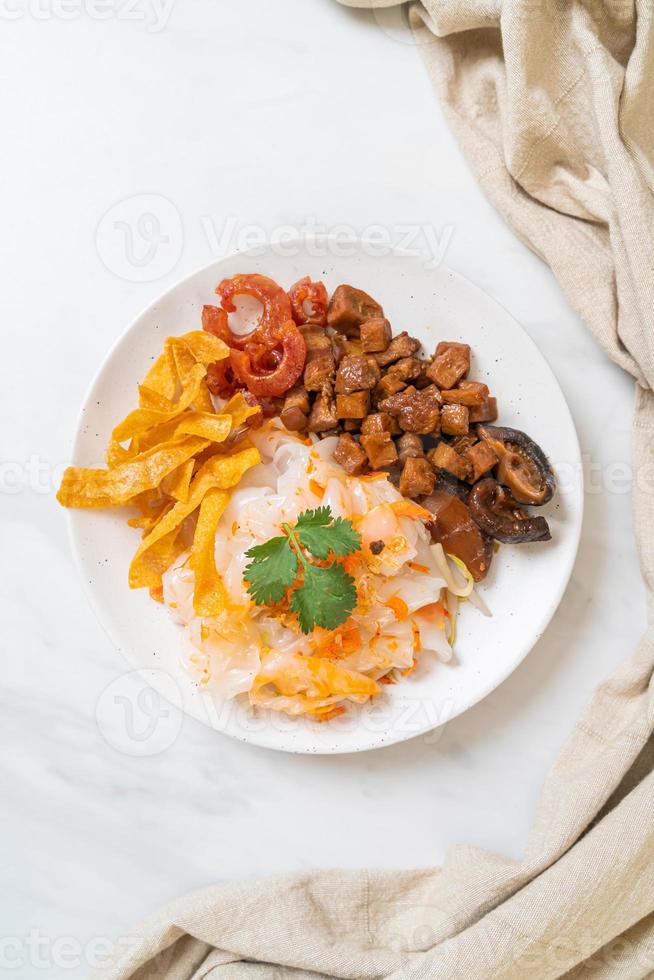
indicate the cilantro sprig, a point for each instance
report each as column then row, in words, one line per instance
column 322, row 595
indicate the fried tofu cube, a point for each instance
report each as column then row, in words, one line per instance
column 417, row 477
column 353, row 406
column 482, row 458
column 380, row 449
column 376, row 335
column 455, row 420
column 443, row 457
column 350, row 455
column 486, row 412
column 451, row 363
column 468, row 393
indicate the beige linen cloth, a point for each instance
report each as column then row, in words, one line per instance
column 553, row 103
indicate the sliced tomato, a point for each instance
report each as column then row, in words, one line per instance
column 309, row 301
column 269, row 369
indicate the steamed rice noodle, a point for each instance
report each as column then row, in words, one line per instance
column 408, row 592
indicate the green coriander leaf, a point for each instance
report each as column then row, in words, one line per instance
column 320, row 534
column 272, row 571
column 326, row 597
column 343, row 539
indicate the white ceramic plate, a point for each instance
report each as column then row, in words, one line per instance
column 526, row 582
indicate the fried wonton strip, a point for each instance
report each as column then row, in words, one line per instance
column 213, row 427
column 177, row 483
column 209, row 597
column 162, row 377
column 205, row 347
column 141, row 419
column 152, row 399
column 81, row 487
column 239, row 409
column 160, row 556
column 220, row 472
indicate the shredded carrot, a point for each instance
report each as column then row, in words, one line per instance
column 399, row 607
column 417, row 640
column 156, row 593
column 340, row 642
column 328, row 715
column 409, row 670
column 374, row 476
column 417, row 567
column 316, row 488
column 349, row 562
column 387, row 679
column 234, row 527
column 310, row 466
column 407, row 508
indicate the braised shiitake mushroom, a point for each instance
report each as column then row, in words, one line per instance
column 523, row 466
column 499, row 515
column 454, row 527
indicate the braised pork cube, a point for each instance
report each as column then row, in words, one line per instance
column 323, row 412
column 295, row 411
column 486, row 412
column 356, row 373
column 354, row 406
column 349, row 308
column 400, row 346
column 462, row 444
column 468, row 393
column 375, row 334
column 434, row 392
column 389, row 385
column 482, row 458
column 417, row 478
column 379, row 422
column 319, row 371
column 443, row 457
column 352, row 346
column 409, row 446
column 350, row 455
column 416, row 411
column 455, row 420
column 451, row 363
column 317, row 342
column 406, row 369
column 380, row 449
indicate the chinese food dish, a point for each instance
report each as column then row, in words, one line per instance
column 315, row 496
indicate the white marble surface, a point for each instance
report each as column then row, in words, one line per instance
column 294, row 113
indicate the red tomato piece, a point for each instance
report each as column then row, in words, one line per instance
column 312, row 294
column 270, row 369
